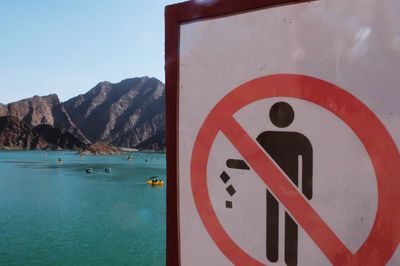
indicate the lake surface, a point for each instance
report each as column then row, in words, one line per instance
column 57, row 214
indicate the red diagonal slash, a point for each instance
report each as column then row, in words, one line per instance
column 286, row 192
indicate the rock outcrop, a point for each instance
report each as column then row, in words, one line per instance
column 99, row 149
column 3, row 110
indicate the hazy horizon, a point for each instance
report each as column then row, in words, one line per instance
column 67, row 48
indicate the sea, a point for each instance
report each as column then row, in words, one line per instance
column 55, row 213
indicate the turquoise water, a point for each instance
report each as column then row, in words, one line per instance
column 56, row 214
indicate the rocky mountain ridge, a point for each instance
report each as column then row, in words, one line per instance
column 126, row 114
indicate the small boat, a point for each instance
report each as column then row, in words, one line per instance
column 153, row 181
column 89, row 170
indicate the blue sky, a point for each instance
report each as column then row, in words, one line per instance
column 68, row 46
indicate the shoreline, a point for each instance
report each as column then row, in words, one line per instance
column 77, row 151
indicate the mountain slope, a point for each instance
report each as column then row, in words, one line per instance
column 58, row 138
column 125, row 114
column 16, row 134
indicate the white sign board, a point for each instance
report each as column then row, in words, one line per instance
column 288, row 135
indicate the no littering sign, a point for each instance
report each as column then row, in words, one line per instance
column 283, row 133
column 376, row 249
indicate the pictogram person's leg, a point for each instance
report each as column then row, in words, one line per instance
column 291, row 241
column 272, row 227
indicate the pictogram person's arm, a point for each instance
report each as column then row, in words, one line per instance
column 307, row 170
column 237, row 164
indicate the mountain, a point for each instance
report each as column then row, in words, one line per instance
column 17, row 134
column 42, row 110
column 125, row 114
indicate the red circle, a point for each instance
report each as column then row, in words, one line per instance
column 385, row 234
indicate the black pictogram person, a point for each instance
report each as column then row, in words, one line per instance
column 286, row 148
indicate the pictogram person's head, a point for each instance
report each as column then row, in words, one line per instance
column 281, row 114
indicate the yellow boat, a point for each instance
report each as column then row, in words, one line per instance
column 155, row 182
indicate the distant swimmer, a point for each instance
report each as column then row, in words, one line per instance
column 60, row 160
column 130, row 158
column 107, row 170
